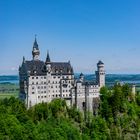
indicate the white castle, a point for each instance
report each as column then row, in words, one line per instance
column 44, row 81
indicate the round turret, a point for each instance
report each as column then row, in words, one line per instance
column 100, row 74
column 81, row 77
column 35, row 51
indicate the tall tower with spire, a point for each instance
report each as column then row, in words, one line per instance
column 100, row 74
column 48, row 63
column 35, row 51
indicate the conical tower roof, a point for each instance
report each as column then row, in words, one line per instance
column 48, row 60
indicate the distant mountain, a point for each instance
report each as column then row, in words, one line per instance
column 9, row 79
column 110, row 78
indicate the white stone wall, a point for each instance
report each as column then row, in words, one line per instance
column 46, row 88
column 93, row 92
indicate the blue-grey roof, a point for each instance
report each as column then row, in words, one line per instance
column 35, row 45
column 37, row 67
column 100, row 63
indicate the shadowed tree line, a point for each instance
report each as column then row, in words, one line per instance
column 118, row 119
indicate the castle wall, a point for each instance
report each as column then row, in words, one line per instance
column 46, row 88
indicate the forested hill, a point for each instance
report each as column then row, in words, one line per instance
column 110, row 78
column 118, row 119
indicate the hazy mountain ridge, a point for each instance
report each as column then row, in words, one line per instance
column 110, row 78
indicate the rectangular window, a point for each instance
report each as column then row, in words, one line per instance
column 84, row 105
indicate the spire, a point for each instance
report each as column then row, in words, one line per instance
column 48, row 58
column 35, row 45
column 23, row 59
column 35, row 51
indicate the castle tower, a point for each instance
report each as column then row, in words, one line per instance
column 35, row 51
column 133, row 89
column 81, row 77
column 100, row 74
column 48, row 61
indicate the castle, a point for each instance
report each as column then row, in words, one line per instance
column 43, row 81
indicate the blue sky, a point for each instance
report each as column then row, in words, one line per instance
column 82, row 31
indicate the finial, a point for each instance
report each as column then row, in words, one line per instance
column 23, row 59
column 35, row 37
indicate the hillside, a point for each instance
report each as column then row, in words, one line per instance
column 117, row 119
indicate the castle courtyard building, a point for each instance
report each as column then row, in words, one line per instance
column 42, row 81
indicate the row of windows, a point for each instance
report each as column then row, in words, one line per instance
column 54, row 82
column 63, row 77
column 82, row 95
column 37, row 77
column 52, row 91
column 89, row 91
column 41, row 82
column 56, row 95
column 41, row 87
column 53, row 77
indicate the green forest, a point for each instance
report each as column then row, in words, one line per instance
column 118, row 118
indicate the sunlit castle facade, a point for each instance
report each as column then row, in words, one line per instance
column 43, row 81
column 87, row 93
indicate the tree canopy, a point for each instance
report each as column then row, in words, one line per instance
column 117, row 119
